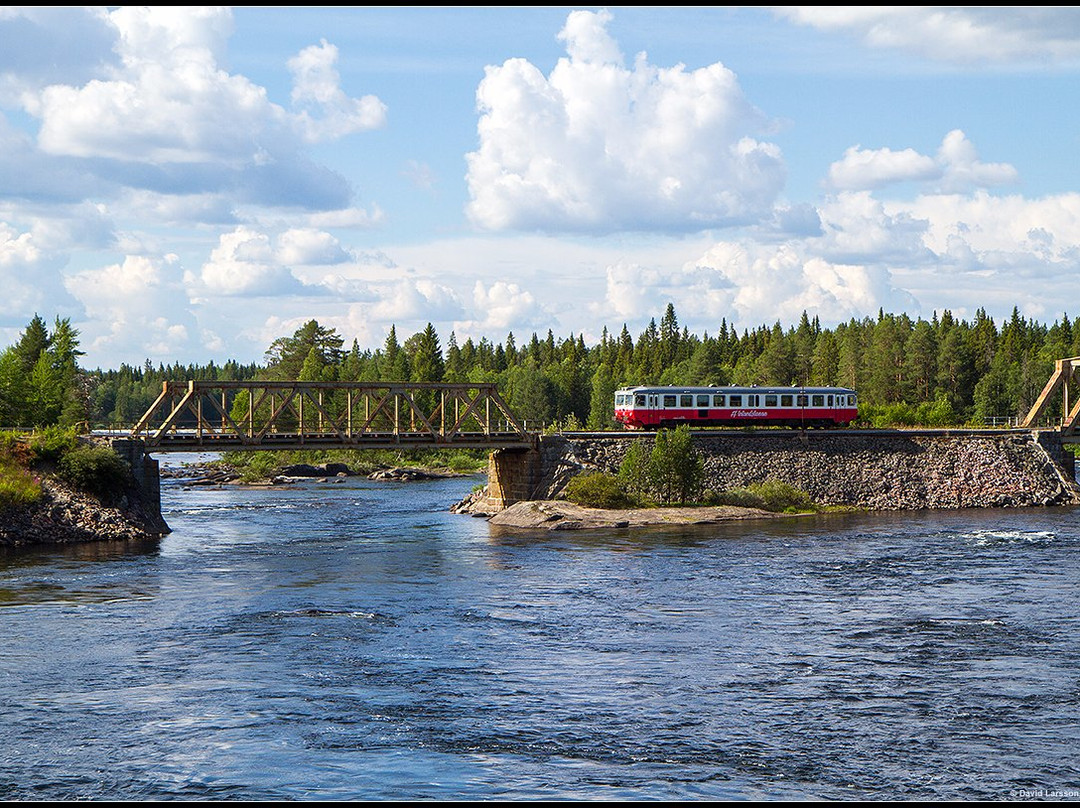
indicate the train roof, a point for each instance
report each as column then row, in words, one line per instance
column 732, row 388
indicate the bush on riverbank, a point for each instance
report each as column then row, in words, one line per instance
column 672, row 472
column 598, row 490
column 22, row 454
column 601, row 490
column 96, row 469
column 771, row 495
column 26, row 458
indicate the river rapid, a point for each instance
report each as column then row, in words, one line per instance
column 355, row 640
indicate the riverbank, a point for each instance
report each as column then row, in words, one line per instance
column 65, row 515
column 217, row 472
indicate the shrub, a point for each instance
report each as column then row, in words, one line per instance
column 259, row 466
column 461, row 462
column 634, row 470
column 675, row 466
column 771, row 495
column 597, row 490
column 96, row 469
column 672, row 472
column 53, row 442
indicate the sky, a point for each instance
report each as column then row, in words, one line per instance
column 187, row 185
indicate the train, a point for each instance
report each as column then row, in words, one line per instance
column 797, row 407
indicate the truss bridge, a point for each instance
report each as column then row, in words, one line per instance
column 295, row 415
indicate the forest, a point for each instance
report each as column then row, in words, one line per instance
column 939, row 372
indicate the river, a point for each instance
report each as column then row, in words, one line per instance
column 357, row 641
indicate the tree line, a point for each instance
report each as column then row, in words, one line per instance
column 941, row 371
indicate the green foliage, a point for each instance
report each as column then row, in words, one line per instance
column 52, row 442
column 597, row 490
column 95, row 469
column 18, row 485
column 464, row 463
column 287, row 355
column 671, row 473
column 676, row 469
column 634, row 471
column 772, row 495
column 258, row 466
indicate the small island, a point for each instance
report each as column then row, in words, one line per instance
column 564, row 515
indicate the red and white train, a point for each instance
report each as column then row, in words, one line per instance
column 799, row 407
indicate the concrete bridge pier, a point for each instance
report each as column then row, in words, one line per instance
column 144, row 469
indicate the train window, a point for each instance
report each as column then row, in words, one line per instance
column 753, row 400
column 686, row 401
column 770, row 401
column 718, row 401
column 802, row 401
column 703, row 401
column 830, row 401
column 818, row 400
column 669, row 401
column 785, row 400
column 735, row 401
column 851, row 401
column 639, row 401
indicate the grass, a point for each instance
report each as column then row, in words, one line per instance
column 19, row 486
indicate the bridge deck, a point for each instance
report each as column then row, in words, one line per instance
column 206, row 442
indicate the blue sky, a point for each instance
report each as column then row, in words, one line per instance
column 189, row 184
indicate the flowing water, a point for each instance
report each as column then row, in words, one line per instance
column 357, row 641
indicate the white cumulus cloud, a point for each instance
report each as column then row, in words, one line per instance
column 958, row 35
column 243, row 263
column 501, row 306
column 317, row 90
column 135, row 308
column 167, row 116
column 956, row 167
column 307, row 246
column 600, row 146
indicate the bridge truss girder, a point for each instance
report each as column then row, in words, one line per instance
column 340, row 415
column 1062, row 379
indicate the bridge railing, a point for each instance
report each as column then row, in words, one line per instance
column 295, row 414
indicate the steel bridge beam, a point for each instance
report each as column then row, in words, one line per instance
column 1062, row 379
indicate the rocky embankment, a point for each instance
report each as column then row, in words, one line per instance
column 64, row 515
column 890, row 471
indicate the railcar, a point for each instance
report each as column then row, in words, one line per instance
column 798, row 407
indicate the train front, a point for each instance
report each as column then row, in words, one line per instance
column 627, row 406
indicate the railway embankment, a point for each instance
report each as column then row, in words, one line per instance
column 871, row 469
